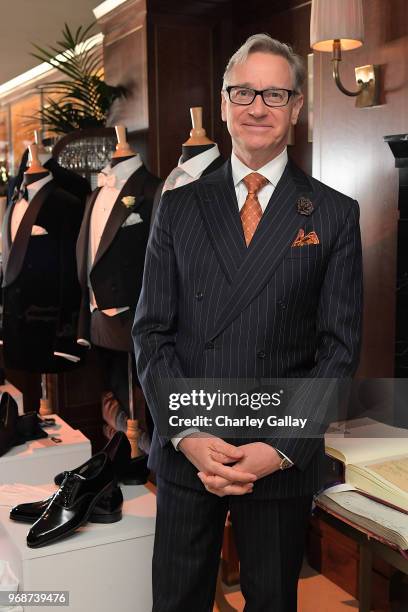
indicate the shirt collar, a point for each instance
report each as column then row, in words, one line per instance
column 34, row 188
column 273, row 170
column 195, row 166
column 125, row 168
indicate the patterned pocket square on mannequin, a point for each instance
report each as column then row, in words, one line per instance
column 304, row 240
column 132, row 219
column 37, row 230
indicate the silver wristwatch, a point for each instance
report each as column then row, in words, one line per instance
column 285, row 462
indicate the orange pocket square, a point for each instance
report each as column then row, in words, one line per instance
column 302, row 240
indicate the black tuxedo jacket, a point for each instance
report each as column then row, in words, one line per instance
column 66, row 179
column 212, row 308
column 40, row 288
column 116, row 274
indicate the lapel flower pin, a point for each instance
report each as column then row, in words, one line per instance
column 128, row 201
column 304, row 206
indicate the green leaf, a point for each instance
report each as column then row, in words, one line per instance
column 84, row 99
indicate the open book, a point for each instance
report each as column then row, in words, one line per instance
column 375, row 456
column 386, row 524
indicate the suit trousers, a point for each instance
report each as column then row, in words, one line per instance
column 269, row 535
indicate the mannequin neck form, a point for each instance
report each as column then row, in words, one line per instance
column 117, row 160
column 32, row 178
column 188, row 151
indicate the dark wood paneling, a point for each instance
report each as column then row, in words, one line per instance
column 289, row 22
column 350, row 155
column 181, row 75
column 125, row 63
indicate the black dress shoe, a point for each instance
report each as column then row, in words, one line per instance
column 15, row 429
column 8, row 422
column 107, row 510
column 75, row 501
column 118, row 449
column 136, row 472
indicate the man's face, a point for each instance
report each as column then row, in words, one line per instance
column 259, row 130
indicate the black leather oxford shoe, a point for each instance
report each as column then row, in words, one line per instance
column 75, row 501
column 118, row 449
column 107, row 510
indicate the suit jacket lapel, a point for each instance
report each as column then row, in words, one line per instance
column 6, row 237
column 219, row 208
column 274, row 236
column 19, row 246
column 83, row 237
column 132, row 187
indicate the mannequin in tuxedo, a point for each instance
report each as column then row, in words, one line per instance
column 66, row 179
column 40, row 289
column 110, row 256
column 200, row 156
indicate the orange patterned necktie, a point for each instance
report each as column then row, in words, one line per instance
column 251, row 212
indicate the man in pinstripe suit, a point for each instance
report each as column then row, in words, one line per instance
column 251, row 271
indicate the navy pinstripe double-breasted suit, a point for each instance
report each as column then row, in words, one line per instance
column 211, row 307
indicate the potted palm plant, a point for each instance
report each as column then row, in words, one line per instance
column 82, row 99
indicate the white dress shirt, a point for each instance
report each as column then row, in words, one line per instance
column 273, row 171
column 190, row 170
column 21, row 206
column 101, row 211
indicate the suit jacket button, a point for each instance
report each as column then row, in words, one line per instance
column 282, row 305
column 261, row 354
column 209, row 345
column 199, row 295
column 113, row 287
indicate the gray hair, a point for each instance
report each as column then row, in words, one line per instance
column 266, row 44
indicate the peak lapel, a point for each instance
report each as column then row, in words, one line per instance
column 82, row 242
column 6, row 238
column 19, row 246
column 275, row 233
column 219, row 208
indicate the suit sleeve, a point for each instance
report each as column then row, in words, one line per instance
column 154, row 329
column 339, row 322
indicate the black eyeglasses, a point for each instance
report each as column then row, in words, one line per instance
column 271, row 97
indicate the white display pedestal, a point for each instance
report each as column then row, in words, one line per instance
column 39, row 461
column 104, row 567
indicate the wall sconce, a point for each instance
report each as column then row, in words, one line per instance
column 338, row 25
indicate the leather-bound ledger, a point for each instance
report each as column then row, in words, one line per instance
column 375, row 456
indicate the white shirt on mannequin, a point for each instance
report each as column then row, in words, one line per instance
column 21, row 206
column 190, row 170
column 101, row 211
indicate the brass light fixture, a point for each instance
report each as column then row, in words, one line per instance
column 338, row 25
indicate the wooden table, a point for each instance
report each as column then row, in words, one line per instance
column 368, row 547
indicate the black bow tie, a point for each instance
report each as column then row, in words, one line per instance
column 21, row 193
